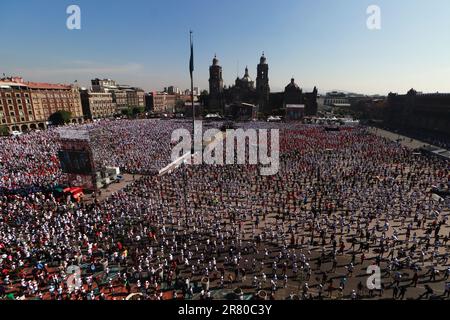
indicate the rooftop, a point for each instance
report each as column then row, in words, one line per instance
column 18, row 81
column 43, row 85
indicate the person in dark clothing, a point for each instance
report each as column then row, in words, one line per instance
column 415, row 279
column 402, row 293
column 2, row 290
column 429, row 291
column 395, row 293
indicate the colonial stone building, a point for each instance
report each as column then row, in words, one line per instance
column 244, row 92
column 124, row 96
column 417, row 111
column 135, row 97
column 16, row 110
column 49, row 98
column 294, row 96
column 120, row 99
column 161, row 102
column 28, row 105
column 98, row 105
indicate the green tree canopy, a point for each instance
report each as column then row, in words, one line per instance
column 204, row 98
column 4, row 130
column 127, row 112
column 179, row 105
column 137, row 110
column 133, row 111
column 60, row 117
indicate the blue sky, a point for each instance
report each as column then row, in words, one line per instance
column 323, row 43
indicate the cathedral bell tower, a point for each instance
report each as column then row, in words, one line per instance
column 215, row 87
column 262, row 85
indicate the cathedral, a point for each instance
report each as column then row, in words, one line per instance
column 244, row 91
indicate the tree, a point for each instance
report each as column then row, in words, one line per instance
column 127, row 112
column 137, row 111
column 179, row 106
column 4, row 131
column 132, row 111
column 279, row 112
column 204, row 98
column 60, row 117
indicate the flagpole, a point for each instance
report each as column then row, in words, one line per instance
column 191, row 69
column 192, row 86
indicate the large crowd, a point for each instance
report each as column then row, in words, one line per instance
column 341, row 202
column 136, row 146
column 30, row 162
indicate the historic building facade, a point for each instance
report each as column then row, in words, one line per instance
column 161, row 102
column 28, row 105
column 98, row 105
column 16, row 110
column 120, row 99
column 124, row 96
column 295, row 98
column 49, row 98
column 135, row 97
column 417, row 111
column 245, row 92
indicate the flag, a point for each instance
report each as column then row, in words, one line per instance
column 191, row 62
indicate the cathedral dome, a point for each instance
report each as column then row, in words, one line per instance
column 246, row 77
column 292, row 84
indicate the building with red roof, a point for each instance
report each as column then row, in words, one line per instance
column 28, row 105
